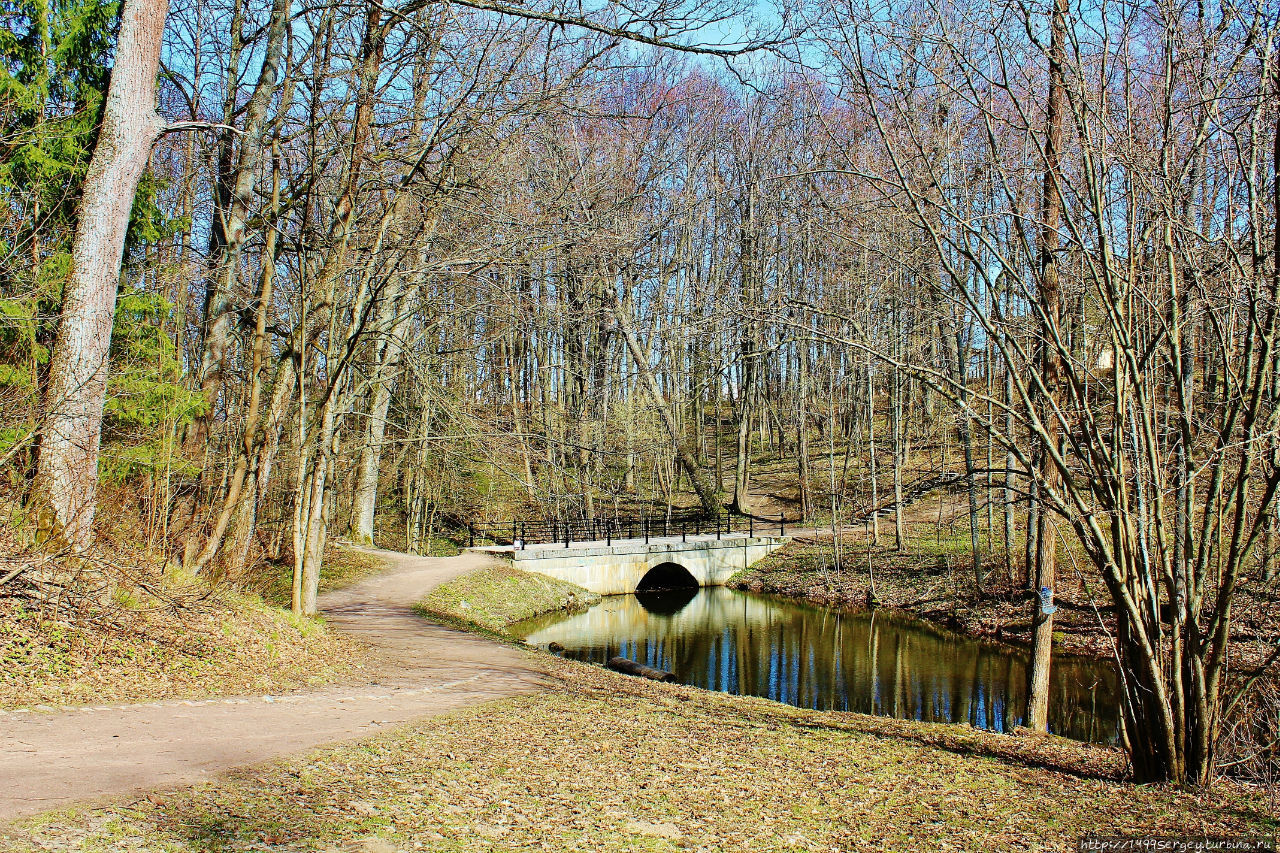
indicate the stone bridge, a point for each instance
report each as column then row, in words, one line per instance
column 628, row 565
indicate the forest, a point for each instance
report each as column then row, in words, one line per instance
column 275, row 274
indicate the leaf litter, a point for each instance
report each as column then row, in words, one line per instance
column 603, row 762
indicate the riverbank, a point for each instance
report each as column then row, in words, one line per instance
column 933, row 581
column 596, row 761
column 603, row 762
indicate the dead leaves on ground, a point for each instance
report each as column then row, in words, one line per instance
column 605, row 763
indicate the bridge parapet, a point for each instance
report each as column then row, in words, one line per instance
column 618, row 567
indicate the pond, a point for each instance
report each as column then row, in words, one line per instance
column 871, row 662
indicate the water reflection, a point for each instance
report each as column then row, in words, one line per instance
column 872, row 663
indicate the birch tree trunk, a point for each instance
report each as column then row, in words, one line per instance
column 66, row 486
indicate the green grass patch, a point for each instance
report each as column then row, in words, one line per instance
column 499, row 595
column 441, row 546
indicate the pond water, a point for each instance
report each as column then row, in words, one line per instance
column 870, row 662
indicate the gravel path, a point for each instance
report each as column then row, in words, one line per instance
column 51, row 758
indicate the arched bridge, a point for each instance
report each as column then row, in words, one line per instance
column 656, row 559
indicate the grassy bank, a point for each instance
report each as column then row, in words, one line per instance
column 603, row 762
column 933, row 581
column 169, row 636
column 497, row 596
column 932, row 578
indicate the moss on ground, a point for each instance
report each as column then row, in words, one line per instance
column 497, row 596
column 608, row 763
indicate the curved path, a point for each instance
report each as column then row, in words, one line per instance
column 419, row 668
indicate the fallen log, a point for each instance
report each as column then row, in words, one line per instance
column 630, row 667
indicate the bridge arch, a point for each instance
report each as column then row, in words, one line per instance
column 667, row 575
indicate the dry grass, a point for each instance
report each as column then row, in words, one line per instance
column 604, row 762
column 342, row 567
column 122, row 627
column 608, row 763
column 227, row 644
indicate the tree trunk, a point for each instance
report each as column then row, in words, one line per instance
column 310, row 519
column 246, row 521
column 742, row 456
column 899, row 443
column 748, row 240
column 366, row 496
column 67, row 472
column 251, row 435
column 1010, row 465
column 803, row 466
column 872, row 469
column 230, row 230
column 1050, row 370
column 315, row 529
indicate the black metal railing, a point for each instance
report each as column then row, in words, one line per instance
column 569, row 530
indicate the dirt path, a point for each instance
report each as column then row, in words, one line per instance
column 52, row 759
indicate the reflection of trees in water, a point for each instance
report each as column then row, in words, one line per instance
column 873, row 663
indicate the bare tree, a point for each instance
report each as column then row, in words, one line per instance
column 1049, row 366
